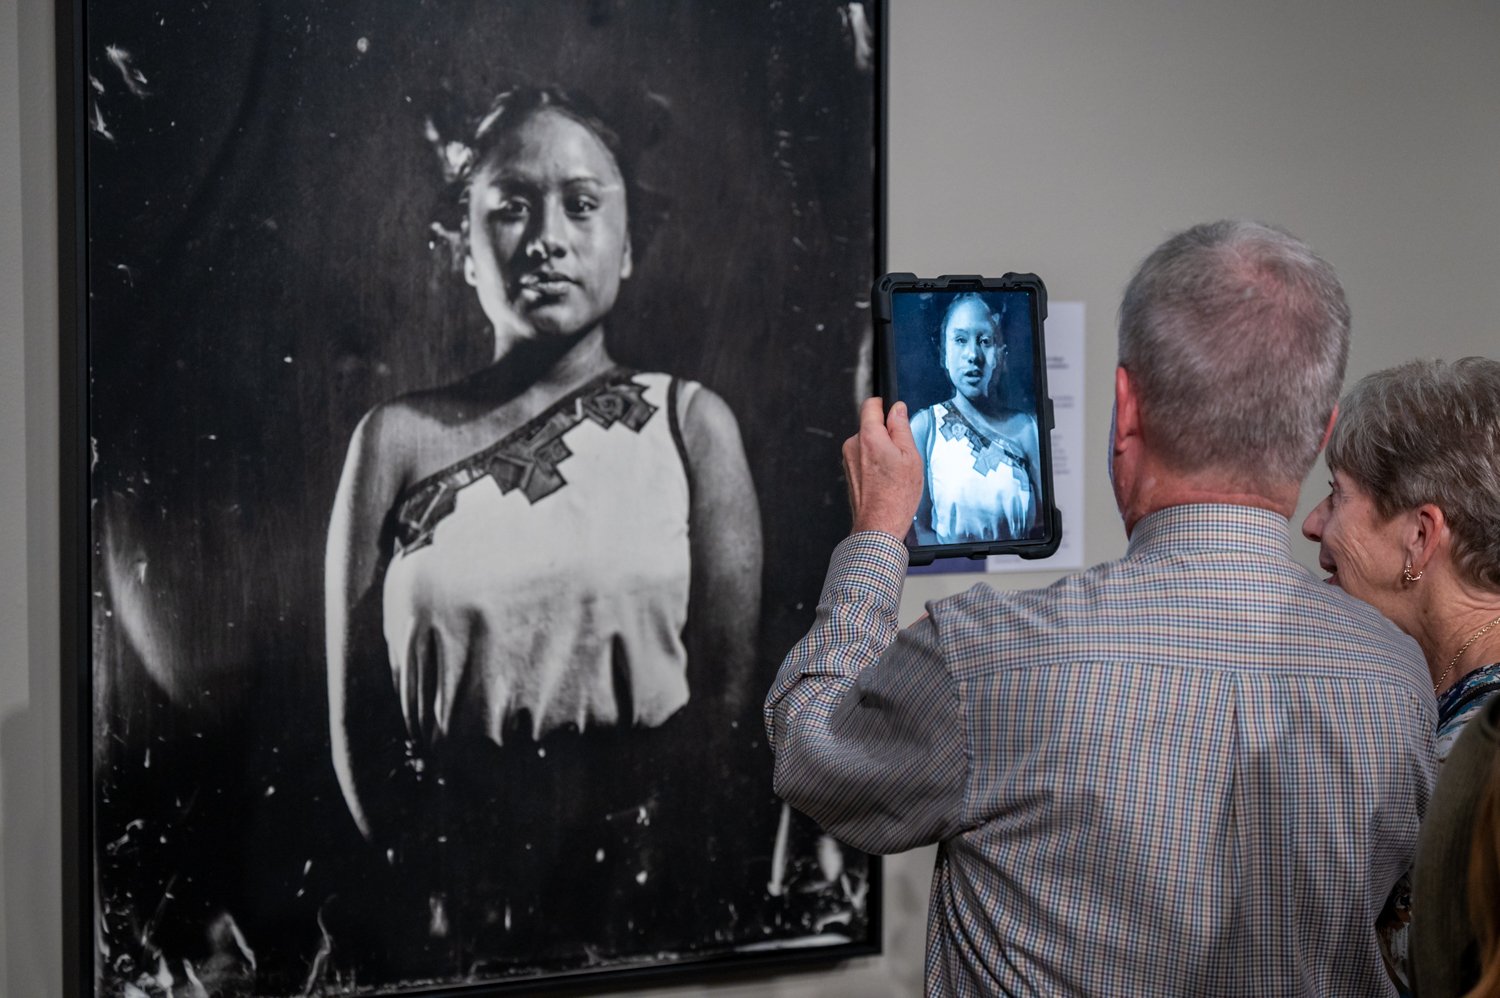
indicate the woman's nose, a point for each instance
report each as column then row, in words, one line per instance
column 548, row 236
column 1312, row 527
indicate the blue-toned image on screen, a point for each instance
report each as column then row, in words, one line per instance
column 965, row 367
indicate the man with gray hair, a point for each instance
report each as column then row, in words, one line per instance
column 1195, row 770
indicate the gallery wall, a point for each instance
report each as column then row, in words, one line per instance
column 1056, row 136
column 1364, row 129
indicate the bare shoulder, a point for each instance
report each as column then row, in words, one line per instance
column 723, row 490
column 389, row 425
column 708, row 421
column 390, row 439
column 921, row 422
column 1021, row 426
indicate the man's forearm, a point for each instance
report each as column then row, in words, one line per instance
column 857, row 621
column 864, row 728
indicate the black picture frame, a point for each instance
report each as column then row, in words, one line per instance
column 251, row 256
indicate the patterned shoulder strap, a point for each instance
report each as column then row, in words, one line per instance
column 527, row 458
column 955, row 424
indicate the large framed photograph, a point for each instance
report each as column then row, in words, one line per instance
column 454, row 393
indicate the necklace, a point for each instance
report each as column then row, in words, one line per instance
column 1472, row 638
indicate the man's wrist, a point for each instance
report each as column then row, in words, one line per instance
column 871, row 560
column 875, row 525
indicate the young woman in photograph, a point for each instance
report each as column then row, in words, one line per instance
column 561, row 555
column 983, row 479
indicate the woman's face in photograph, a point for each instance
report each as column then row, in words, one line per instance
column 971, row 349
column 549, row 241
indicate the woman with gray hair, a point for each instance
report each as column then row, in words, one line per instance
column 1411, row 525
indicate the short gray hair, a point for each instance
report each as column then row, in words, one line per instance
column 1235, row 335
column 1428, row 431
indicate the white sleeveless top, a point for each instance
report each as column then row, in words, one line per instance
column 543, row 582
column 979, row 485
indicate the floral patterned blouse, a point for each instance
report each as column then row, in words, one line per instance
column 1462, row 703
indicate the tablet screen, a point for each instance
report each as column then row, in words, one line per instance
column 969, row 366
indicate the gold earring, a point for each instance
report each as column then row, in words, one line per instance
column 1409, row 578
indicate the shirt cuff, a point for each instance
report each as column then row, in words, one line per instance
column 871, row 563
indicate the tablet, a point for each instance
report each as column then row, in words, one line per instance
column 966, row 354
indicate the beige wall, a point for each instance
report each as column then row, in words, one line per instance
column 30, row 824
column 1059, row 136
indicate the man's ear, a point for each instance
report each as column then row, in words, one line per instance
column 1126, row 451
column 1333, row 417
column 1127, row 410
column 627, row 265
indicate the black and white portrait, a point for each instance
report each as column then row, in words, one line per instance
column 466, row 389
column 965, row 367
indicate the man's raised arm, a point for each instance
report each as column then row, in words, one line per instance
column 864, row 719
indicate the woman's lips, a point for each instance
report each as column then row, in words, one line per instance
column 546, row 285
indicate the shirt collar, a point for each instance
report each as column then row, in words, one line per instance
column 1211, row 527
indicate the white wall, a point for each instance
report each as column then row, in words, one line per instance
column 1059, row 136
column 1368, row 129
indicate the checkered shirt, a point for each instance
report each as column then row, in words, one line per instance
column 1193, row 771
